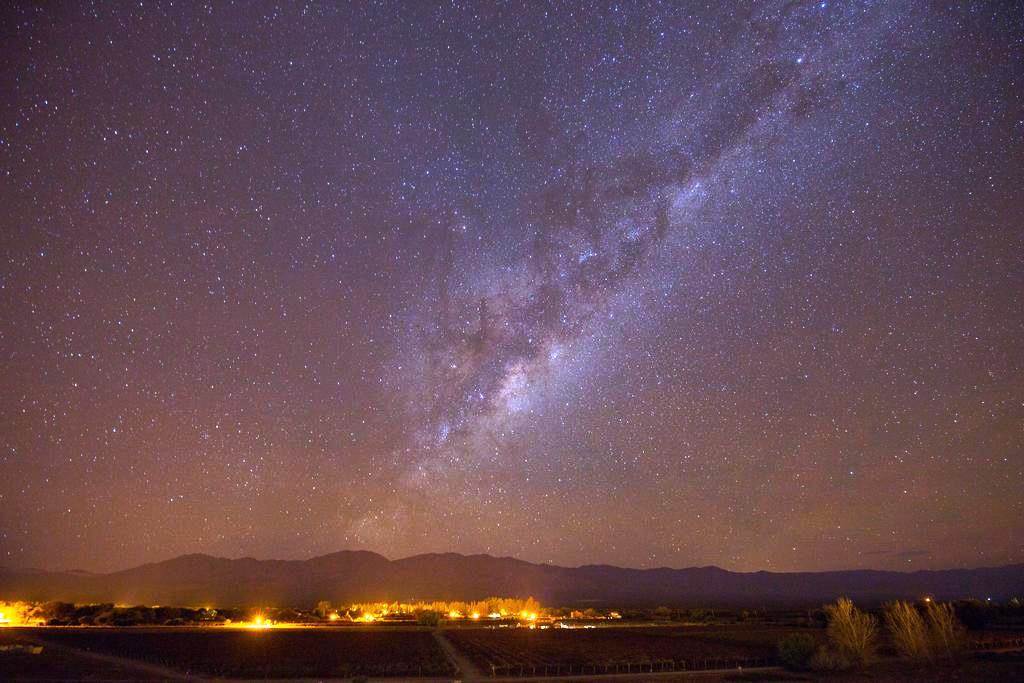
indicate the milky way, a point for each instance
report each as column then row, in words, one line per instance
column 647, row 284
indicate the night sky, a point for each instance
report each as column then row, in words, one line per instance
column 644, row 284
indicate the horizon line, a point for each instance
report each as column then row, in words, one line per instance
column 508, row 557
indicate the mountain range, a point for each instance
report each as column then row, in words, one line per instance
column 350, row 576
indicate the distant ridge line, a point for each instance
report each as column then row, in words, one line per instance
column 362, row 575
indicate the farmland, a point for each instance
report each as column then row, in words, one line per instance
column 373, row 650
column 267, row 654
column 22, row 657
column 343, row 652
column 615, row 650
column 47, row 642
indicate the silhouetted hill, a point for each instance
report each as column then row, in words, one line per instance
column 359, row 575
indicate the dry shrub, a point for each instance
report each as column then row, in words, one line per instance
column 826, row 659
column 853, row 633
column 796, row 650
column 945, row 633
column 908, row 631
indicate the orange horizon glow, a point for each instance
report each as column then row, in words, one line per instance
column 16, row 614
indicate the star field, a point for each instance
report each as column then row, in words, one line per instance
column 633, row 283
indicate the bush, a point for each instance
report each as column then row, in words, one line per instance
column 428, row 618
column 700, row 615
column 853, row 633
column 828, row 660
column 907, row 630
column 796, row 651
column 61, row 611
column 945, row 632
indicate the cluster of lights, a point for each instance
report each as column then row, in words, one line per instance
column 475, row 616
column 524, row 615
column 17, row 614
column 260, row 622
column 494, row 608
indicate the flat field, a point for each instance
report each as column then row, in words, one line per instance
column 617, row 650
column 144, row 653
column 272, row 653
column 20, row 659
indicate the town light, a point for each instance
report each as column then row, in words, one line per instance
column 259, row 622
